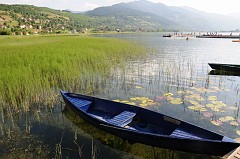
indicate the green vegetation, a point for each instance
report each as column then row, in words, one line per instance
column 34, row 68
column 28, row 19
column 40, row 20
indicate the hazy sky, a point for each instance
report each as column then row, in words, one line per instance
column 212, row 6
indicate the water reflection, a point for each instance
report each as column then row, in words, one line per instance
column 174, row 76
column 132, row 150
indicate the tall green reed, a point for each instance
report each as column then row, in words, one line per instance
column 34, row 68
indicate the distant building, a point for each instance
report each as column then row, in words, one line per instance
column 39, row 27
column 3, row 27
column 74, row 31
column 22, row 26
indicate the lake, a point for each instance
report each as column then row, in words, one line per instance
column 174, row 78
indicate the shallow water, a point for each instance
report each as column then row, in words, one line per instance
column 174, row 79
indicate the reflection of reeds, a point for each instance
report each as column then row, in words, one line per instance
column 34, row 68
column 95, row 150
column 58, row 149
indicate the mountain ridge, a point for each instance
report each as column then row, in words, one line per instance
column 133, row 16
column 186, row 17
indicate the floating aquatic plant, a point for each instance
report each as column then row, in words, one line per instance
column 233, row 108
column 234, row 123
column 226, row 119
column 210, row 105
column 143, row 104
column 197, row 108
column 219, row 104
column 168, row 94
column 212, row 98
column 124, row 101
column 237, row 140
column 131, row 103
column 238, row 132
column 216, row 122
column 176, row 101
column 216, row 89
column 195, row 96
column 215, row 109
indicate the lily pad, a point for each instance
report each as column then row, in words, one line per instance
column 170, row 98
column 215, row 109
column 151, row 103
column 233, row 108
column 212, row 98
column 176, row 101
column 216, row 89
column 150, row 100
column 133, row 99
column 219, row 103
column 138, row 87
column 181, row 92
column 197, row 108
column 199, row 98
column 234, row 123
column 143, row 104
column 237, row 140
column 124, row 101
column 143, row 98
column 196, row 96
column 238, row 132
column 168, row 94
column 210, row 105
column 226, row 118
column 202, row 109
column 216, row 122
column 193, row 102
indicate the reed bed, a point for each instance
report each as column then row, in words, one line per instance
column 34, row 68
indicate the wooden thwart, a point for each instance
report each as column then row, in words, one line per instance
column 235, row 154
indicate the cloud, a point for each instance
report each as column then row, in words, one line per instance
column 89, row 6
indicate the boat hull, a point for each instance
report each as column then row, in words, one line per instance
column 206, row 146
column 225, row 67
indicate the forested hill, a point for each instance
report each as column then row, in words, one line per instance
column 29, row 19
column 137, row 16
column 183, row 18
column 35, row 20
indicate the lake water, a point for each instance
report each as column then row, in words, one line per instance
column 173, row 79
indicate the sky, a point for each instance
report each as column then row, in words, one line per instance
column 211, row 6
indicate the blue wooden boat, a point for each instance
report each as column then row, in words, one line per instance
column 137, row 124
column 225, row 67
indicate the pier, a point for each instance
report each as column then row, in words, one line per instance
column 219, row 36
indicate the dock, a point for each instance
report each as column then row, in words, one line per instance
column 219, row 36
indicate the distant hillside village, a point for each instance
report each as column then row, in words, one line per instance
column 27, row 26
column 29, row 20
column 26, row 20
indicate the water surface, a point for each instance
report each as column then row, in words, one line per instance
column 173, row 79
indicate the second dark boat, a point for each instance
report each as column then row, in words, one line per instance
column 225, row 67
